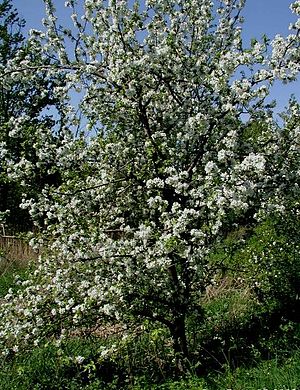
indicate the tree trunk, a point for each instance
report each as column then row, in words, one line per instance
column 180, row 346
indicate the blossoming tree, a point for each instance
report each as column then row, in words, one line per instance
column 20, row 97
column 170, row 93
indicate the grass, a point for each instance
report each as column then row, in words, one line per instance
column 270, row 374
column 42, row 368
column 51, row 368
column 15, row 255
column 16, row 258
column 7, row 279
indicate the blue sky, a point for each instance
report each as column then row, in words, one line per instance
column 268, row 17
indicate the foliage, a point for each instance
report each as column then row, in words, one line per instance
column 171, row 169
column 274, row 262
column 268, row 260
column 21, row 101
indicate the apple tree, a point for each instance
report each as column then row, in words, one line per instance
column 163, row 167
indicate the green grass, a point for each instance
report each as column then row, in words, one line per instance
column 270, row 374
column 50, row 368
column 8, row 276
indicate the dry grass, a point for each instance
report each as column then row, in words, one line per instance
column 15, row 252
column 224, row 286
column 229, row 300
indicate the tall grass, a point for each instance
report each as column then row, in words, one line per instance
column 15, row 256
column 16, row 250
column 15, row 253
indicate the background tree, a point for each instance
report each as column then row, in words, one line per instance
column 22, row 101
column 171, row 170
